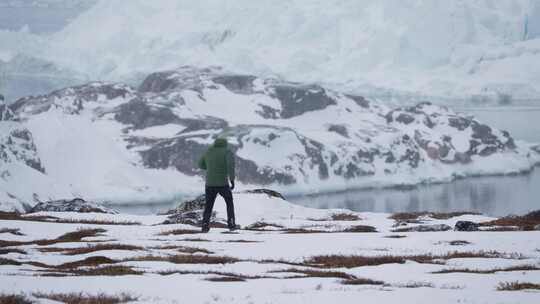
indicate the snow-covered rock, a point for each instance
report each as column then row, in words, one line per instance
column 105, row 141
column 74, row 205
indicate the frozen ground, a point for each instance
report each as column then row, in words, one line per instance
column 276, row 262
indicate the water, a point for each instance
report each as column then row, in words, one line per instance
column 495, row 195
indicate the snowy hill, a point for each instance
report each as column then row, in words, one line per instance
column 476, row 50
column 112, row 142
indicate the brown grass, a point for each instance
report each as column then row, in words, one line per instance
column 225, row 279
column 311, row 273
column 260, row 226
column 11, row 250
column 360, row 228
column 407, row 216
column 524, row 222
column 513, row 286
column 338, row 217
column 75, row 236
column 14, row 299
column 352, row 261
column 345, row 217
column 489, row 271
column 179, row 232
column 195, row 240
column 416, row 285
column 352, row 229
column 459, row 243
column 9, row 216
column 184, row 249
column 241, row 241
column 88, row 262
column 217, row 273
column 84, row 298
column 187, row 259
column 14, row 231
column 90, row 248
column 395, row 236
column 362, row 281
column 9, row 262
column 109, row 270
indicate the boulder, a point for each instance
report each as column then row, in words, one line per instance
column 466, row 226
column 75, row 205
column 191, row 213
column 537, row 227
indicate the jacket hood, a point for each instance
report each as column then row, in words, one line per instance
column 220, row 142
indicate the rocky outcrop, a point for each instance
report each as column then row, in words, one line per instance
column 466, row 226
column 17, row 145
column 283, row 133
column 75, row 205
column 191, row 213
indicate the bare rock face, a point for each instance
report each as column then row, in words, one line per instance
column 75, row 205
column 283, row 133
column 17, row 145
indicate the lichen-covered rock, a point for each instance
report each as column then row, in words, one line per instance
column 75, row 205
column 466, row 226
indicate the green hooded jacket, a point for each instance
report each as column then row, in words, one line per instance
column 218, row 161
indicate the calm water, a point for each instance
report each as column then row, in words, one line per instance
column 496, row 195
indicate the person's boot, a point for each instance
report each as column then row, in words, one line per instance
column 232, row 225
column 205, row 228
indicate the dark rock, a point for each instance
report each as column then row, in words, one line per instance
column 462, row 158
column 239, row 84
column 191, row 213
column 339, row 129
column 297, row 100
column 140, row 114
column 191, row 205
column 158, row 82
column 268, row 192
column 466, row 226
column 6, row 113
column 72, row 100
column 75, row 205
column 361, row 101
column 405, row 118
column 459, row 123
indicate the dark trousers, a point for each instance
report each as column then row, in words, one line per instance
column 211, row 194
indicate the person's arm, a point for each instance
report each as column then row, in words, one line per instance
column 230, row 168
column 202, row 163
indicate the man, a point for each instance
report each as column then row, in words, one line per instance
column 218, row 161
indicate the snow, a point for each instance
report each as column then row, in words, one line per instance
column 275, row 245
column 426, row 49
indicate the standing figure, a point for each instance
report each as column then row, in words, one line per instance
column 218, row 161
